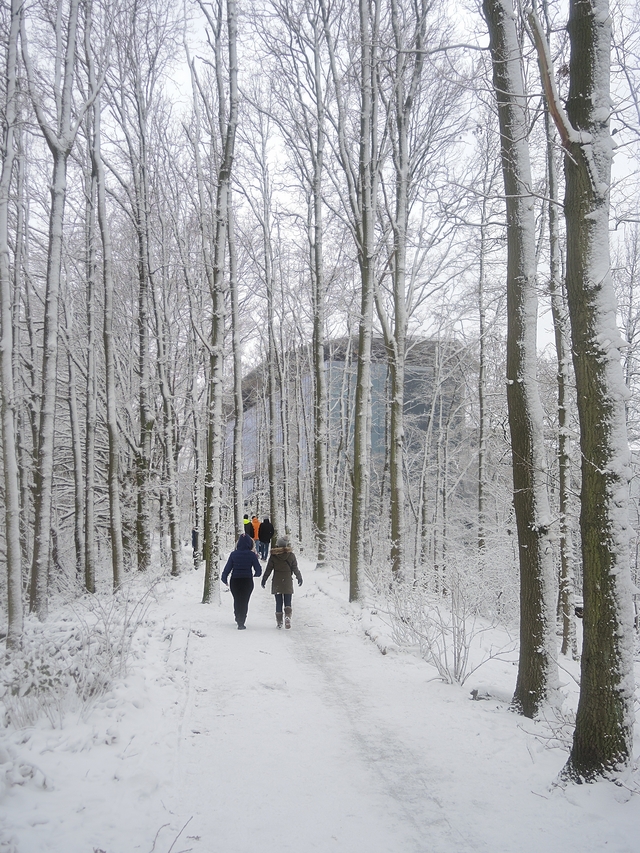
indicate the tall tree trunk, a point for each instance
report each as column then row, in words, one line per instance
column 9, row 443
column 215, row 442
column 604, row 720
column 367, row 192
column 60, row 141
column 168, row 416
column 537, row 674
column 91, row 384
column 145, row 407
column 318, row 301
column 76, row 445
column 362, row 189
column 559, row 315
column 409, row 61
column 482, row 369
column 113, row 471
column 238, row 405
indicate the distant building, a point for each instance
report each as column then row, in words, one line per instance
column 433, row 389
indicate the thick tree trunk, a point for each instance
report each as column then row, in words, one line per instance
column 537, row 675
column 604, row 720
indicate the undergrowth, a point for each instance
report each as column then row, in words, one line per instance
column 73, row 657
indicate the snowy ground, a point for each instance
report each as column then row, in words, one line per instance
column 223, row 741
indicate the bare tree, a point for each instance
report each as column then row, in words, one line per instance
column 60, row 134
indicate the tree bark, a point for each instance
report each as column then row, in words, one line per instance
column 604, row 720
column 60, row 142
column 215, row 441
column 111, row 415
column 537, row 674
column 9, row 443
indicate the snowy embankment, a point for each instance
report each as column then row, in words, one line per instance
column 222, row 741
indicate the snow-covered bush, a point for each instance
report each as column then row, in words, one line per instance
column 446, row 625
column 72, row 657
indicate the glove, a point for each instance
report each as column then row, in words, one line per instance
column 224, row 581
column 300, row 582
column 263, row 584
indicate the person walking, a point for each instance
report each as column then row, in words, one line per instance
column 243, row 565
column 265, row 535
column 248, row 527
column 283, row 564
column 255, row 521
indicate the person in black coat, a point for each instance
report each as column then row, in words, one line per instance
column 265, row 535
column 243, row 565
column 248, row 527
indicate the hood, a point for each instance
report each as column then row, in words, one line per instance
column 245, row 543
column 279, row 551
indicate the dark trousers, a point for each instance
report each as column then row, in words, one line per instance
column 287, row 600
column 263, row 550
column 241, row 589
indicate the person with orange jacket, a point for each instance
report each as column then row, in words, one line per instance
column 255, row 521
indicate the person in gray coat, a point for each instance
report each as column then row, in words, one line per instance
column 283, row 564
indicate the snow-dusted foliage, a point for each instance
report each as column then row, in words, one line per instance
column 72, row 658
column 445, row 616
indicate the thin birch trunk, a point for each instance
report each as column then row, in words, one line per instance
column 215, row 442
column 76, row 446
column 113, row 471
column 9, row 443
column 402, row 106
column 367, row 192
column 167, row 420
column 238, row 405
column 482, row 426
column 91, row 383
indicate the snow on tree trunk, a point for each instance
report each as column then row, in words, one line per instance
column 89, row 543
column 113, row 468
column 537, row 674
column 76, row 444
column 215, row 440
column 238, row 405
column 7, row 389
column 604, row 720
column 60, row 141
column 367, row 190
column 560, row 328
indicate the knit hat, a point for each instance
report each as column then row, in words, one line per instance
column 282, row 542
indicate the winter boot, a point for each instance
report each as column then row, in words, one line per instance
column 287, row 617
column 278, row 620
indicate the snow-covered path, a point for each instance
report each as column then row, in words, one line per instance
column 308, row 740
column 311, row 740
column 301, row 754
